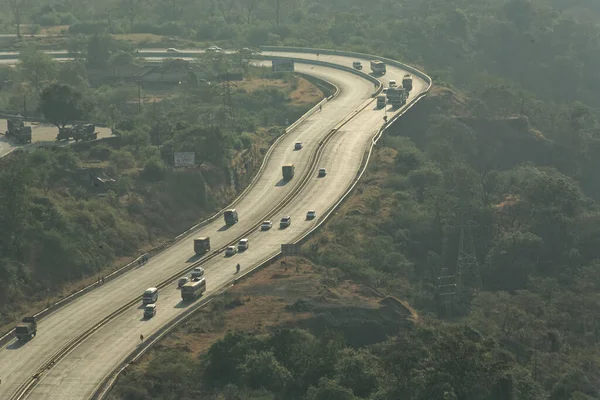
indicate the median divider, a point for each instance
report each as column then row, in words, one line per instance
column 6, row 338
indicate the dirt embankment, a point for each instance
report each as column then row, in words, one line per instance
column 296, row 294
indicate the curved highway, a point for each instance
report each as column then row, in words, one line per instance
column 76, row 376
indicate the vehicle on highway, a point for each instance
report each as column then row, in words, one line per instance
column 182, row 281
column 380, row 101
column 243, row 244
column 297, row 145
column 322, row 172
column 150, row 296
column 231, row 216
column 392, row 83
column 407, row 82
column 197, row 273
column 266, row 225
column 311, row 214
column 149, row 310
column 285, row 222
column 230, row 251
column 288, row 171
column 201, row 245
column 378, row 67
column 193, row 290
column 214, row 49
column 26, row 330
column 172, row 50
column 246, row 51
column 357, row 65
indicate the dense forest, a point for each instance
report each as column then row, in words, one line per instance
column 501, row 158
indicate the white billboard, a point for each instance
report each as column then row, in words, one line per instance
column 185, row 159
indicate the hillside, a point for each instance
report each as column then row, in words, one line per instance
column 522, row 330
column 76, row 213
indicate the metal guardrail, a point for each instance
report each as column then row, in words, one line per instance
column 106, row 386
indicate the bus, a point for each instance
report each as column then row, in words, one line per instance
column 194, row 289
column 378, row 67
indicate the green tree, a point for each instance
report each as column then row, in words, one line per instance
column 61, row 104
column 37, row 68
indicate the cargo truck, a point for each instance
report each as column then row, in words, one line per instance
column 26, row 330
column 288, row 171
column 231, row 217
column 397, row 96
column 192, row 290
column 407, row 82
column 201, row 245
column 378, row 67
column 17, row 130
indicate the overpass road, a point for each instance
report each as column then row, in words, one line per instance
column 78, row 374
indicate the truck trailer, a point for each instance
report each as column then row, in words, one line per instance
column 201, row 245
column 288, row 171
column 26, row 330
column 378, row 67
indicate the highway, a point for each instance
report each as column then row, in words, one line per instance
column 77, row 375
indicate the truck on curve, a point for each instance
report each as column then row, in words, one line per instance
column 397, row 96
column 407, row 82
column 231, row 217
column 378, row 67
column 288, row 172
column 201, row 245
column 193, row 289
column 26, row 330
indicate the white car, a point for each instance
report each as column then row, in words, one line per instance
column 285, row 222
column 197, row 273
column 266, row 225
column 311, row 214
column 172, row 50
column 230, row 251
column 214, row 49
column 392, row 83
column 297, row 145
column 243, row 245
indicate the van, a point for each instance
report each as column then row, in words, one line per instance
column 149, row 310
column 150, row 296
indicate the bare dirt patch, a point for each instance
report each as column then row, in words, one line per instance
column 292, row 293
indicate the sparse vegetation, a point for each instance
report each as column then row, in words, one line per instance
column 512, row 147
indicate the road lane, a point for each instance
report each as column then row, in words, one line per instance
column 17, row 363
column 77, row 376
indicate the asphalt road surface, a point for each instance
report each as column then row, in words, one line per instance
column 17, row 362
column 78, row 374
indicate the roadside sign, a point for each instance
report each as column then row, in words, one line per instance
column 283, row 65
column 290, row 250
column 185, row 159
